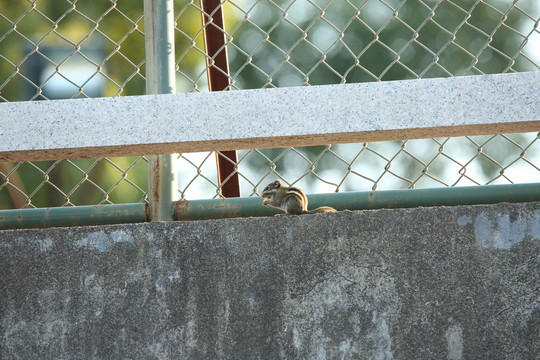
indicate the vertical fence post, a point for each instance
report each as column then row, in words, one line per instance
column 218, row 80
column 160, row 79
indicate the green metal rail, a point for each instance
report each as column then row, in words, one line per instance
column 73, row 216
column 365, row 200
column 246, row 207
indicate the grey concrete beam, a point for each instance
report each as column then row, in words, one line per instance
column 159, row 124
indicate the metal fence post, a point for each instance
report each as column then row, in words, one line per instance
column 160, row 79
column 218, row 80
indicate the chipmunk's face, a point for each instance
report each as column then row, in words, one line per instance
column 269, row 191
column 270, row 188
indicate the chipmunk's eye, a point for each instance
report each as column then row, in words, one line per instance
column 267, row 188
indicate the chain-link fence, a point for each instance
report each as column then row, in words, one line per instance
column 71, row 49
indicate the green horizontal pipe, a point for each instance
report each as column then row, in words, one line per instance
column 450, row 196
column 245, row 207
column 72, row 216
column 470, row 195
column 221, row 208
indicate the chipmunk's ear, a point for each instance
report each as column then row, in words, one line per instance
column 277, row 183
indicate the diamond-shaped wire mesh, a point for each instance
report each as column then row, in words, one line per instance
column 71, row 49
column 314, row 42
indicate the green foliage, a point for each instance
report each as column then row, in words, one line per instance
column 330, row 42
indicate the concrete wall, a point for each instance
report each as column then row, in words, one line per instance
column 429, row 283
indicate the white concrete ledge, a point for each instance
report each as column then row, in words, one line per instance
column 157, row 124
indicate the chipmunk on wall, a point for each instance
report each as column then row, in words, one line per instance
column 290, row 200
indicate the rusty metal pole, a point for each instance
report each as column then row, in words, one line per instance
column 160, row 79
column 218, row 80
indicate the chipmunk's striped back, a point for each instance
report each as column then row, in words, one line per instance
column 295, row 201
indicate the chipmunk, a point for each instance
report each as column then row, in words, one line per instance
column 291, row 200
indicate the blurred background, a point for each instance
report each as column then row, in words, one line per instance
column 60, row 49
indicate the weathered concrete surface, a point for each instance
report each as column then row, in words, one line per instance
column 429, row 283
